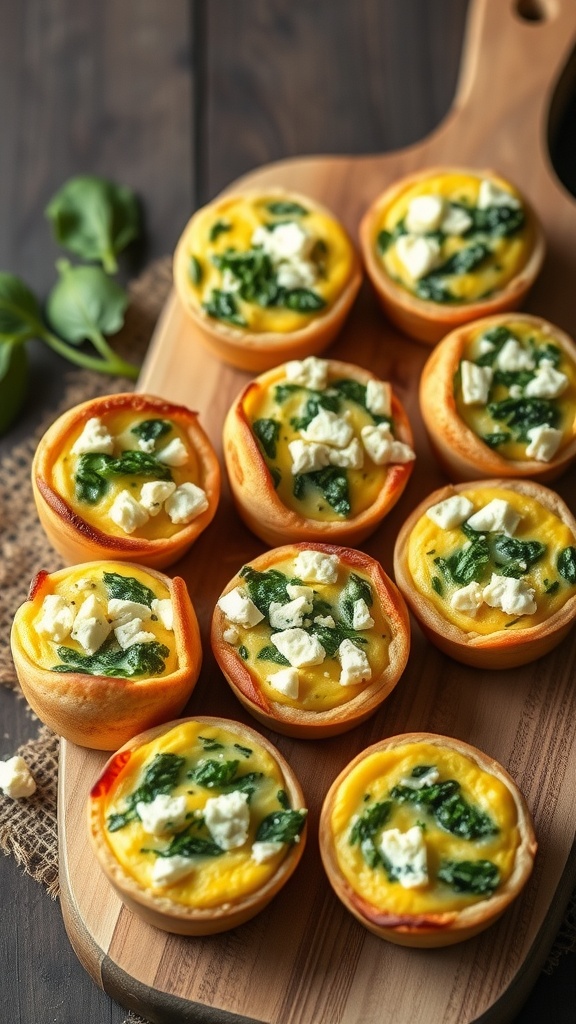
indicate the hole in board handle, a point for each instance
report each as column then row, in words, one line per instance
column 535, row 10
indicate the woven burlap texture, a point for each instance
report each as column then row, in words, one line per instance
column 28, row 827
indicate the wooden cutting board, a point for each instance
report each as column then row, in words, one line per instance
column 305, row 959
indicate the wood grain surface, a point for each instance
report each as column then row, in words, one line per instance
column 304, row 958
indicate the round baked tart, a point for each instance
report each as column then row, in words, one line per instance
column 105, row 649
column 426, row 839
column 317, row 449
column 127, row 477
column 266, row 277
column 498, row 398
column 489, row 570
column 197, row 824
column 448, row 245
column 312, row 638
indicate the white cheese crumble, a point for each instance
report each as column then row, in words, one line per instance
column 467, row 599
column 94, row 438
column 147, row 444
column 239, row 608
column 163, row 814
column 285, row 616
column 127, row 513
column 163, row 609
column 498, row 516
column 512, row 357
column 154, row 493
column 493, row 195
column 325, row 620
column 450, row 512
column 544, row 442
column 548, row 382
column 284, row 241
column 361, row 618
column 300, row 590
column 286, row 681
column 514, row 597
column 382, row 448
column 316, row 567
column 264, row 850
column 406, row 854
column 16, row 779
column 424, row 213
column 227, row 818
column 427, row 779
column 298, row 647
column 231, row 636
column 91, row 626
column 186, row 503
column 56, row 618
column 309, row 373
column 329, row 428
column 455, row 221
column 379, row 397
column 350, row 457
column 484, row 345
column 132, row 633
column 476, row 381
column 174, row 453
column 354, row 664
column 308, row 457
column 120, row 612
column 419, row 254
column 168, row 870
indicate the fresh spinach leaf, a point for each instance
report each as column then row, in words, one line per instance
column 332, row 482
column 303, row 300
column 223, row 306
column 317, row 400
column 498, row 221
column 161, row 776
column 282, row 392
column 286, row 208
column 195, row 270
column 524, row 413
column 20, row 316
column 209, row 743
column 366, row 828
column 449, row 808
column 85, row 304
column 212, row 774
column 566, row 564
column 127, row 588
column 478, row 877
column 356, row 589
column 468, row 564
column 13, row 381
column 95, row 469
column 243, row 652
column 517, row 555
column 265, row 587
column 151, row 430
column 219, row 227
column 281, row 827
column 186, row 845
column 497, row 438
column 271, row 653
column 148, row 659
column 267, row 431
column 332, row 636
column 94, row 218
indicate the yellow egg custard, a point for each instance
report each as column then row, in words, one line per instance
column 317, row 450
column 106, row 649
column 499, row 397
column 197, row 824
column 311, row 638
column 265, row 276
column 448, row 245
column 425, row 839
column 125, row 476
column 489, row 570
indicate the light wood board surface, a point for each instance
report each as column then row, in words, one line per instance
column 305, row 959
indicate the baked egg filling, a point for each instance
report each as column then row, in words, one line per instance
column 199, row 815
column 454, row 238
column 421, row 828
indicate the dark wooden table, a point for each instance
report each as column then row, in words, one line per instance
column 176, row 99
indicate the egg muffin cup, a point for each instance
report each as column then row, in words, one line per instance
column 400, row 906
column 255, row 490
column 219, row 321
column 91, row 708
column 421, row 318
column 459, row 449
column 167, row 905
column 263, row 679
column 81, row 529
column 510, row 643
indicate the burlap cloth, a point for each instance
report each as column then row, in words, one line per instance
column 28, row 827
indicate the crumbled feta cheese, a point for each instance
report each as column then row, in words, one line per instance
column 316, row 567
column 516, row 391
column 164, row 813
column 227, row 818
column 354, row 664
column 484, row 345
column 299, row 590
column 175, row 453
column 329, row 428
column 451, row 512
column 476, row 381
column 56, row 618
column 492, row 195
column 132, row 633
column 16, row 779
column 544, row 442
column 168, row 870
column 350, row 457
column 455, row 221
column 325, row 620
column 264, row 850
column 94, row 438
column 424, row 213
column 286, row 681
column 361, row 618
column 427, row 779
column 120, row 612
column 239, row 608
column 309, row 373
column 467, row 599
column 513, row 596
column 379, row 397
column 147, row 444
column 406, row 854
column 285, row 242
column 186, row 503
column 298, row 647
column 231, row 636
column 382, row 448
column 154, row 493
column 547, row 383
column 164, row 611
column 418, row 254
column 91, row 627
column 498, row 516
column 296, row 274
column 285, row 616
column 512, row 357
column 127, row 513
column 308, row 457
